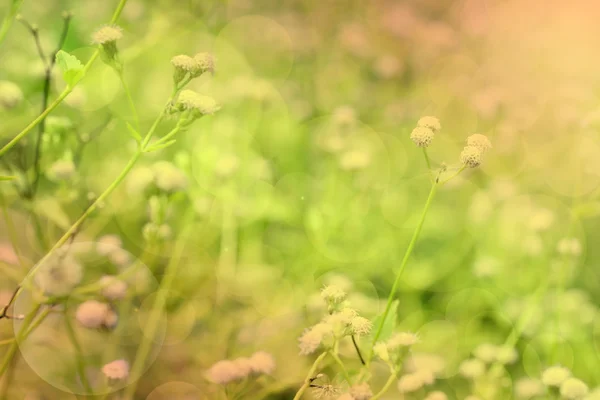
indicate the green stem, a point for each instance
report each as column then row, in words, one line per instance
column 311, row 374
column 157, row 308
column 63, row 94
column 23, row 332
column 339, row 362
column 386, row 387
column 129, row 99
column 407, row 254
column 454, row 175
column 80, row 364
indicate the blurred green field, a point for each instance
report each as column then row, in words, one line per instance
column 174, row 229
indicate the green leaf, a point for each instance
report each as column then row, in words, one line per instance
column 390, row 322
column 7, row 178
column 136, row 135
column 160, row 146
column 71, row 67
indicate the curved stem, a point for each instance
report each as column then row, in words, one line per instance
column 386, row 387
column 62, row 95
column 339, row 362
column 129, row 100
column 311, row 374
column 23, row 333
column 407, row 254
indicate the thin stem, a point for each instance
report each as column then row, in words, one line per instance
column 387, row 385
column 454, row 175
column 407, row 254
column 428, row 162
column 362, row 360
column 9, row 18
column 168, row 136
column 80, row 364
column 23, row 332
column 157, row 308
column 6, row 341
column 129, row 99
column 311, row 374
column 63, row 94
column 339, row 362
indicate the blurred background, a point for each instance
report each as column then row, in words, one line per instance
column 307, row 176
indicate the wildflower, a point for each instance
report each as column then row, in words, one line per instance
column 113, row 288
column 262, row 362
column 361, row 391
column 205, row 62
column 119, row 257
column 402, row 339
column 360, row 326
column 430, row 122
column 486, row 352
column 107, row 37
column 92, row 314
column 410, row 383
column 326, row 391
column 506, row 355
column 472, row 368
column 526, row 388
column 197, row 104
column 422, row 136
column 117, row 370
column 61, row 170
column 426, row 362
column 334, row 296
column 471, row 156
column 313, row 338
column 573, row 388
column 479, row 141
column 381, row 351
column 555, row 376
column 226, row 371
column 59, row 274
column 183, row 65
column 437, row 395
column 10, row 95
column 168, row 177
column 108, row 244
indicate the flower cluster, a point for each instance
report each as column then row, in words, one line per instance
column 106, row 37
column 192, row 67
column 472, row 155
column 227, row 371
column 395, row 349
column 426, row 129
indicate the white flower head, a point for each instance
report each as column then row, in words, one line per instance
column 262, row 362
column 361, row 391
column 107, row 34
column 117, row 370
column 430, row 122
column 555, row 376
column 472, row 368
column 402, row 339
column 10, row 95
column 486, row 352
column 471, row 156
column 527, row 388
column 198, row 104
column 108, row 244
column 573, row 389
column 479, row 141
column 92, row 314
column 410, row 383
column 113, row 288
column 226, row 371
column 422, row 136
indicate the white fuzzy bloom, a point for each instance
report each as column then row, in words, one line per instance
column 59, row 274
column 555, row 376
column 205, row 62
column 479, row 141
column 204, row 105
column 360, row 326
column 168, row 177
column 333, row 294
column 120, row 257
column 226, row 371
column 10, row 95
column 312, row 338
column 361, row 391
column 402, row 339
column 61, row 170
column 113, row 288
column 426, row 362
column 472, row 368
column 184, row 62
column 422, row 136
column 430, row 122
column 108, row 244
column 573, row 389
column 410, row 383
column 116, row 370
column 471, row 156
column 526, row 388
column 92, row 314
column 437, row 395
column 262, row 362
column 486, row 352
column 107, row 34
column 506, row 355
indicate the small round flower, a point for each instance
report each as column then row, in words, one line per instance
column 225, row 371
column 107, row 34
column 108, row 244
column 184, row 63
column 61, row 170
column 410, row 383
column 426, row 362
column 486, row 352
column 360, row 326
column 402, row 339
column 204, row 62
column 573, row 389
column 361, row 391
column 310, row 341
column 10, row 95
column 203, row 105
column 506, row 355
column 59, row 274
column 479, row 141
column 117, row 370
column 555, row 376
column 527, row 388
column 113, row 288
column 262, row 362
column 437, row 395
column 472, row 368
column 422, row 136
column 471, row 156
column 430, row 122
column 168, row 177
column 111, row 319
column 92, row 314
column 333, row 294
